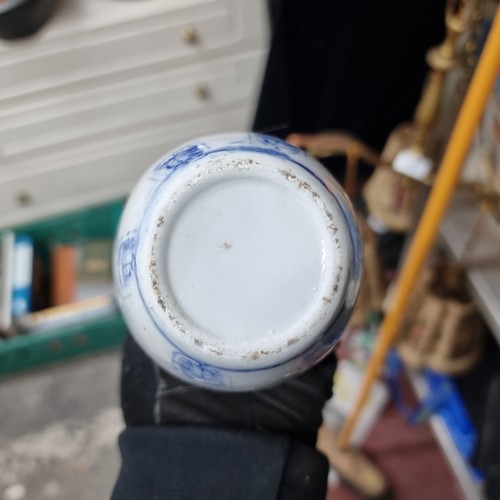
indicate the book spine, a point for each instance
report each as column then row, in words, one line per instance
column 64, row 274
column 7, row 270
column 22, row 275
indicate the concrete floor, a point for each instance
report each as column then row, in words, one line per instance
column 58, row 431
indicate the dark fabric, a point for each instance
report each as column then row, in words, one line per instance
column 138, row 386
column 305, row 476
column 186, row 463
column 151, row 396
column 293, row 408
column 355, row 65
column 273, row 112
column 489, row 449
column 480, row 390
column 25, row 19
column 184, row 442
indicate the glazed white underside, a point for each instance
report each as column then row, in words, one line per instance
column 250, row 259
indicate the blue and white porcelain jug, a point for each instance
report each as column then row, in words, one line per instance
column 237, row 261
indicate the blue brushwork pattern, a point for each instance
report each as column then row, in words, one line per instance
column 258, row 142
column 195, row 370
column 274, row 143
column 126, row 258
column 183, row 157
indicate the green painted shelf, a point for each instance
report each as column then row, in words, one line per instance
column 36, row 349
column 41, row 348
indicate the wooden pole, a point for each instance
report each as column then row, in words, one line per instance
column 439, row 198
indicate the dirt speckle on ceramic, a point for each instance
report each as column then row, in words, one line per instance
column 237, row 261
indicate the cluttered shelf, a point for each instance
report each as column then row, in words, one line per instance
column 472, row 235
column 469, row 484
column 57, row 296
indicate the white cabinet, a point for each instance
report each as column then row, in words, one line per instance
column 108, row 86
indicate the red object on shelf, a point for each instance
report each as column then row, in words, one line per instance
column 64, row 274
column 410, row 459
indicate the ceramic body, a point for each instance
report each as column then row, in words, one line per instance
column 237, row 262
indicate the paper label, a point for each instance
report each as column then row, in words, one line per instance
column 412, row 164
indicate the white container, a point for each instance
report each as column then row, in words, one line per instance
column 237, row 262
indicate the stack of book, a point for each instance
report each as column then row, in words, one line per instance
column 44, row 288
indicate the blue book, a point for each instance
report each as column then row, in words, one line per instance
column 22, row 278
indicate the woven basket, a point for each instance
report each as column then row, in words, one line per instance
column 443, row 330
column 390, row 196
